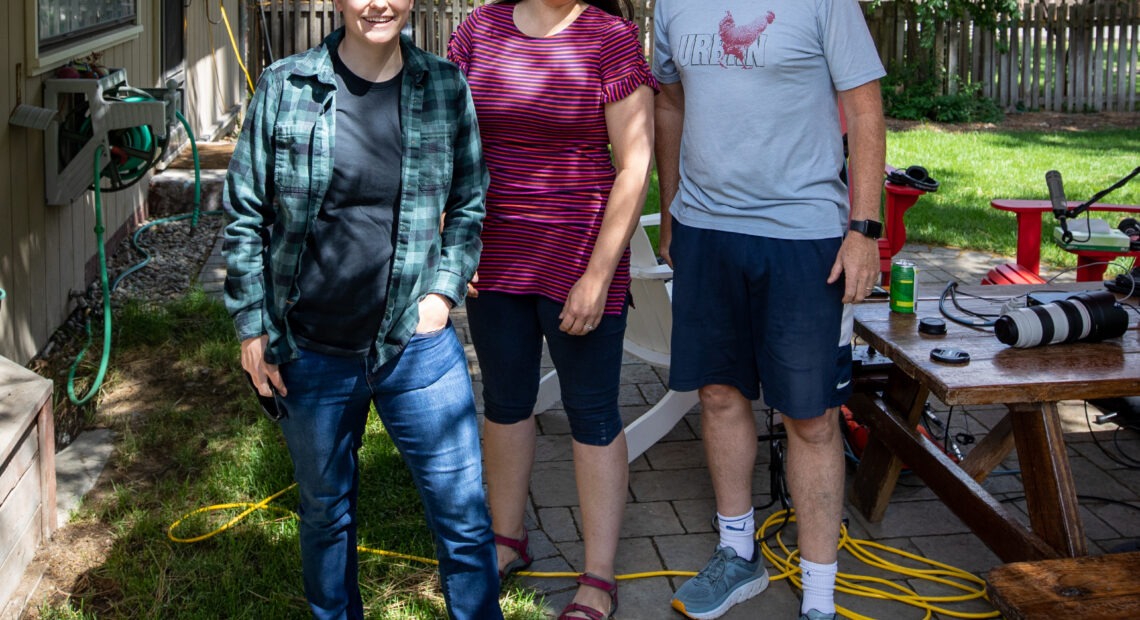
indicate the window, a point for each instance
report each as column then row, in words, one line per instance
column 66, row 29
column 64, row 21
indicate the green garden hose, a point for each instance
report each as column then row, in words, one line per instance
column 138, row 151
column 77, row 401
column 192, row 215
column 108, row 288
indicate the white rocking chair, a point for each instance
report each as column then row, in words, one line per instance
column 647, row 333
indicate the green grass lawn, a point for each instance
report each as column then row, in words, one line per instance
column 977, row 167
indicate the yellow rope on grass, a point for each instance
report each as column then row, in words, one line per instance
column 782, row 559
column 249, row 509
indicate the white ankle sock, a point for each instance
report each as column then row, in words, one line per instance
column 738, row 533
column 819, row 586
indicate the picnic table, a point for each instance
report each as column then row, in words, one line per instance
column 1029, row 382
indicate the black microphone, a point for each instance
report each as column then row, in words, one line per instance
column 1056, row 193
column 1060, row 206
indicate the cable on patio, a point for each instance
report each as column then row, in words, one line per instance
column 781, row 558
column 1121, row 457
column 972, row 586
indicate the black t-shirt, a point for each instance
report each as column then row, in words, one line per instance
column 346, row 263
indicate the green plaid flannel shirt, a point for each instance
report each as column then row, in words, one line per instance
column 280, row 173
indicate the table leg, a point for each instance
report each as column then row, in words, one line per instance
column 893, row 440
column 990, row 451
column 1050, row 493
column 987, row 518
column 1029, row 241
column 879, row 467
column 1090, row 269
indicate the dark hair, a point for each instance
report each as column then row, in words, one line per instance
column 621, row 8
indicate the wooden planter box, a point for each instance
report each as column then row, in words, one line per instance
column 27, row 471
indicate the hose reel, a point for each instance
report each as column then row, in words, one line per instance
column 132, row 150
column 132, row 128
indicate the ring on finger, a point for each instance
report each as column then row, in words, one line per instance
column 588, row 326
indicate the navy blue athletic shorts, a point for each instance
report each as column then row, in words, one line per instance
column 757, row 312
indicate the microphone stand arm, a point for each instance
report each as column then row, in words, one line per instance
column 1072, row 212
column 1084, row 206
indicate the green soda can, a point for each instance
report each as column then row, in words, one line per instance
column 903, row 286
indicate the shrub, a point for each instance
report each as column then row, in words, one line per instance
column 913, row 92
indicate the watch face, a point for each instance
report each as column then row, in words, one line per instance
column 869, row 228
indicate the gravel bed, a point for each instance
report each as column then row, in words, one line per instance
column 177, row 252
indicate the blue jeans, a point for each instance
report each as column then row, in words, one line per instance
column 425, row 401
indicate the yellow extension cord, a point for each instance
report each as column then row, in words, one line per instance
column 233, row 44
column 972, row 586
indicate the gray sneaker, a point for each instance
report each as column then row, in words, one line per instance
column 725, row 581
column 813, row 614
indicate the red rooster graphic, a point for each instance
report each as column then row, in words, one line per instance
column 735, row 39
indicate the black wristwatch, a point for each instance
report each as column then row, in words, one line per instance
column 868, row 228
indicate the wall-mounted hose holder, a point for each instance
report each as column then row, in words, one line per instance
column 129, row 167
column 131, row 129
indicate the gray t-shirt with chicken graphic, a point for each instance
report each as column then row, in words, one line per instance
column 761, row 151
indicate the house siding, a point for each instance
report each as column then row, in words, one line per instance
column 47, row 251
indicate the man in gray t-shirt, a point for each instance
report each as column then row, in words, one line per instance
column 755, row 221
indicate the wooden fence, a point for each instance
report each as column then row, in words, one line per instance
column 1074, row 57
column 279, row 28
column 1054, row 56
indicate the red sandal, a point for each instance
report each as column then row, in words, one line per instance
column 521, row 546
column 593, row 581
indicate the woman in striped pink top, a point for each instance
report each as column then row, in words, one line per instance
column 564, row 99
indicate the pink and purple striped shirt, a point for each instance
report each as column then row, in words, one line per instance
column 541, row 109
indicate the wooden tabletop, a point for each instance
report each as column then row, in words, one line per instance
column 997, row 373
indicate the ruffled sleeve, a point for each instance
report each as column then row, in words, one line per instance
column 459, row 46
column 623, row 64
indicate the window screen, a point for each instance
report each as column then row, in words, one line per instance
column 62, row 22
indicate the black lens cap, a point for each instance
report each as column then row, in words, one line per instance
column 948, row 355
column 932, row 326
